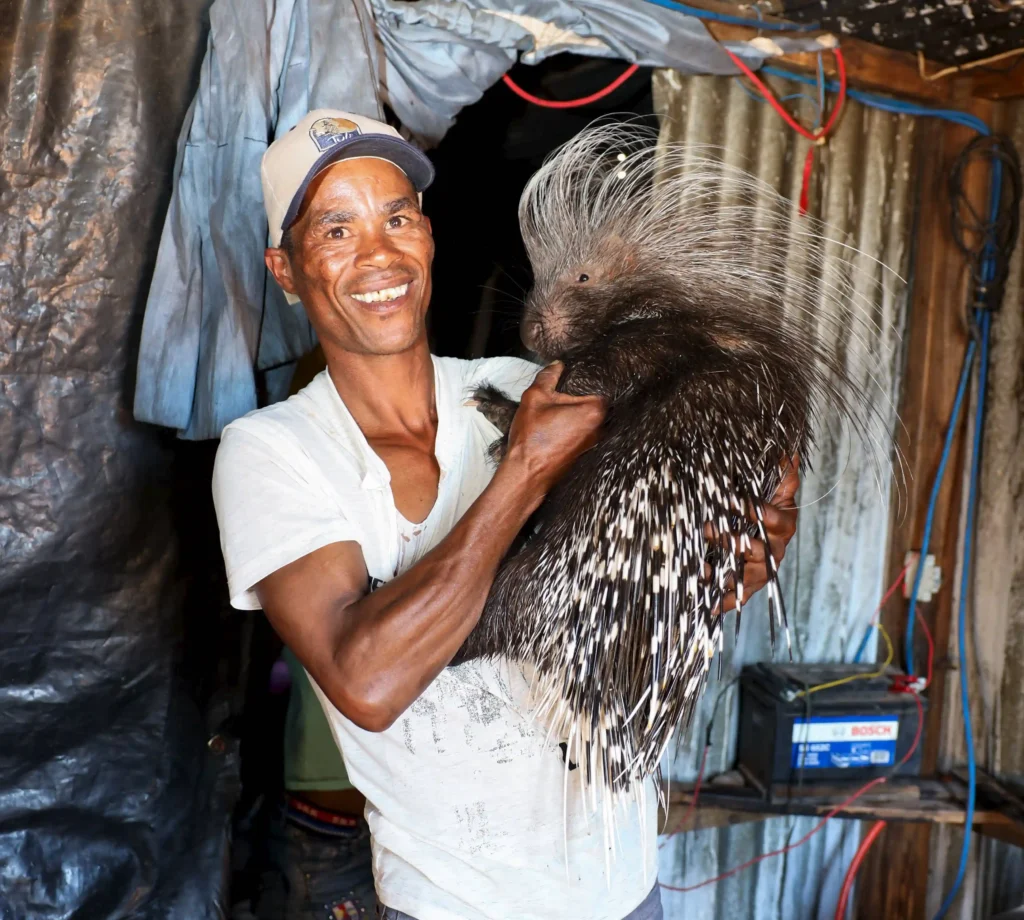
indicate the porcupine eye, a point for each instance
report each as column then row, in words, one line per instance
column 583, row 277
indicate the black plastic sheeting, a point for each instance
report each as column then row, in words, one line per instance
column 112, row 802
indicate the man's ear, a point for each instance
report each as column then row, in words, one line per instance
column 280, row 266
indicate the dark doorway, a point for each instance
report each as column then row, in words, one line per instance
column 481, row 273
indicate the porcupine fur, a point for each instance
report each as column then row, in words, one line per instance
column 660, row 282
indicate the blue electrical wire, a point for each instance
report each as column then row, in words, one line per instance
column 821, row 92
column 965, row 376
column 983, row 319
column 735, row 20
column 965, row 580
column 757, row 97
column 887, row 103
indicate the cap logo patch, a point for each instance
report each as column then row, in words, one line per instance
column 327, row 132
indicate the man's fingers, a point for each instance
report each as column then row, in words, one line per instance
column 755, row 577
column 779, row 523
column 548, row 378
column 786, row 492
column 755, row 550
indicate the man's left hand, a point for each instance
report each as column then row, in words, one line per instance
column 780, row 524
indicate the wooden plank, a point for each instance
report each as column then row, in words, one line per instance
column 1006, row 83
column 909, row 801
column 868, row 67
column 895, row 873
column 897, row 73
column 679, row 819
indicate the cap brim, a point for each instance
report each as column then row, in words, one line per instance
column 411, row 160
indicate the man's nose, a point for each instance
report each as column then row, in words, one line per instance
column 378, row 252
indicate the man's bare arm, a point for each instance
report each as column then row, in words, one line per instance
column 374, row 654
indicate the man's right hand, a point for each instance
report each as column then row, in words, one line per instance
column 550, row 430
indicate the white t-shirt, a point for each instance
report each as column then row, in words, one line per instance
column 472, row 811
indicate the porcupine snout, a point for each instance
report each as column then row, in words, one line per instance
column 546, row 327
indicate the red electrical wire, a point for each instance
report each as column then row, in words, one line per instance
column 920, row 619
column 571, row 103
column 889, row 593
column 821, row 133
column 817, row 136
column 851, row 873
column 817, row 827
column 931, row 646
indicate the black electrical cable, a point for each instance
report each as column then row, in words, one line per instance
column 982, row 238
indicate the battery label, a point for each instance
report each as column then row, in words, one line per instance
column 844, row 741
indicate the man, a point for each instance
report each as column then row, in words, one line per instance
column 363, row 517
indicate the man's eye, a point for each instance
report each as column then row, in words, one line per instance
column 336, row 233
column 397, row 221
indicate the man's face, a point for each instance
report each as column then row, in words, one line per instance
column 360, row 260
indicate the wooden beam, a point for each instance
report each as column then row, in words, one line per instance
column 1007, row 83
column 896, row 73
column 895, row 873
column 868, row 67
column 907, row 801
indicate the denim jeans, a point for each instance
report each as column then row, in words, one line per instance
column 650, row 909
column 316, row 876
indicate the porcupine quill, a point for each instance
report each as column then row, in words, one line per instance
column 661, row 283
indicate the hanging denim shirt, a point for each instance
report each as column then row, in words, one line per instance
column 214, row 315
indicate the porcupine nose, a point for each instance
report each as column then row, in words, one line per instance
column 530, row 331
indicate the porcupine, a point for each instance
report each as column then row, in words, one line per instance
column 659, row 281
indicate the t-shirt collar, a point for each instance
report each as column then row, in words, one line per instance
column 375, row 474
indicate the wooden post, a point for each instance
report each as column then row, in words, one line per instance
column 893, row 880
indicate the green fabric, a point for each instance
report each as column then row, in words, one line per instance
column 311, row 758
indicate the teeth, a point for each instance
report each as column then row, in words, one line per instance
column 392, row 293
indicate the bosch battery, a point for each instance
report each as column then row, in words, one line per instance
column 856, row 730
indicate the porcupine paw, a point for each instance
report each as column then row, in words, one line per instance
column 499, row 410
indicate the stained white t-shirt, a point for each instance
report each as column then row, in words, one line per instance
column 471, row 809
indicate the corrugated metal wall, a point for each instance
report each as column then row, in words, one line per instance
column 995, row 655
column 863, row 187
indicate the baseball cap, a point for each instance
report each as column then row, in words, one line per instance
column 321, row 138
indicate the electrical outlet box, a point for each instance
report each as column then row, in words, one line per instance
column 931, row 578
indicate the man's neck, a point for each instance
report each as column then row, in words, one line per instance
column 386, row 393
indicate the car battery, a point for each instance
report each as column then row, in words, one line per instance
column 855, row 731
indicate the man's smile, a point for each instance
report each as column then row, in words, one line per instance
column 382, row 295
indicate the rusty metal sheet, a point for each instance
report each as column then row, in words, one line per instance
column 863, row 187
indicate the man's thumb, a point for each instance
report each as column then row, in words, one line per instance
column 548, row 378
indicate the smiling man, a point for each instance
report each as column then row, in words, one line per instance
column 363, row 517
